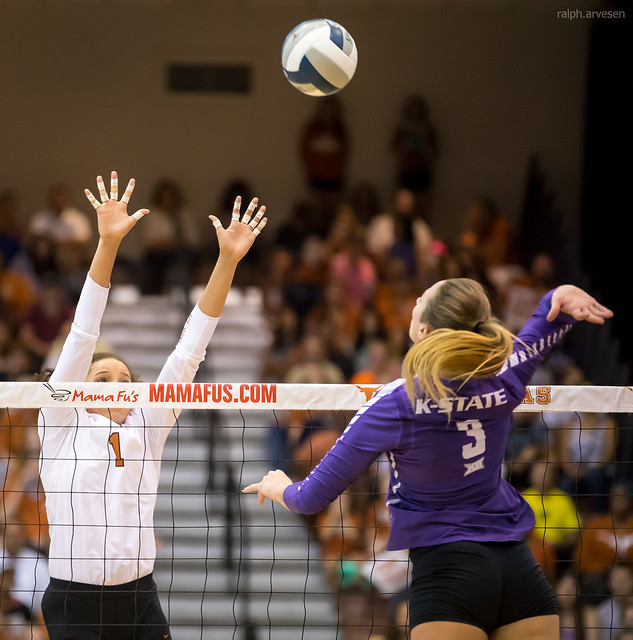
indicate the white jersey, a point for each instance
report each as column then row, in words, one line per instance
column 101, row 478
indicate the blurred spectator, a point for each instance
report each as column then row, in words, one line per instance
column 339, row 345
column 308, row 436
column 352, row 268
column 284, row 329
column 13, row 615
column 307, row 278
column 566, row 590
column 485, row 233
column 584, row 443
column 31, row 508
column 604, row 540
column 352, row 534
column 293, row 232
column 626, row 632
column 70, row 260
column 557, row 521
column 340, row 318
column 416, row 147
column 343, row 229
column 30, row 571
column 313, row 366
column 17, row 293
column 37, row 259
column 6, row 340
column 401, row 232
column 49, row 317
column 11, row 230
column 523, row 294
column 324, row 152
column 341, row 532
column 16, row 362
column 607, row 619
column 60, row 220
column 370, row 328
column 394, row 299
column 169, row 239
column 527, row 443
column 382, row 365
column 277, row 266
column 365, row 201
column 325, row 146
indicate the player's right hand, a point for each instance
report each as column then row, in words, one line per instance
column 113, row 220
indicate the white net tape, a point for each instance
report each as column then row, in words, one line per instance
column 257, row 396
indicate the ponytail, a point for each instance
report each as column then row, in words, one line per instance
column 460, row 346
column 448, row 354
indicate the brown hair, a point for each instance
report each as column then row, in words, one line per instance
column 465, row 341
column 45, row 374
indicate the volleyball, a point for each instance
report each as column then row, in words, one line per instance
column 319, row 57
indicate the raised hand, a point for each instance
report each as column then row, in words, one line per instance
column 113, row 220
column 235, row 241
column 579, row 304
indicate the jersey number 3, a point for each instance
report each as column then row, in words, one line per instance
column 116, row 447
column 474, row 429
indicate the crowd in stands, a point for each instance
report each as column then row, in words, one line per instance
column 339, row 277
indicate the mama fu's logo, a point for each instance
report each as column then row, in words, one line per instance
column 59, row 395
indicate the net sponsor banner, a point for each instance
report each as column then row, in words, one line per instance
column 254, row 396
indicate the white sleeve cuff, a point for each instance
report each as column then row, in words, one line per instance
column 90, row 307
column 197, row 332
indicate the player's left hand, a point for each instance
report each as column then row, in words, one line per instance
column 578, row 304
column 235, row 241
column 272, row 486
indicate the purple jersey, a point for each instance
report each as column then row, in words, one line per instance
column 446, row 458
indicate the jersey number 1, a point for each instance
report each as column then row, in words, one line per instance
column 116, row 447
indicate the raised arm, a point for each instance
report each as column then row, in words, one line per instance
column 183, row 363
column 558, row 310
column 114, row 223
column 234, row 244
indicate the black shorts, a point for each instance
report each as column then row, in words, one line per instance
column 484, row 584
column 77, row 611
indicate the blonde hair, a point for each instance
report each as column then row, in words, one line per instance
column 465, row 341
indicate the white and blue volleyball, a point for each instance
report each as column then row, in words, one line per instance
column 319, row 57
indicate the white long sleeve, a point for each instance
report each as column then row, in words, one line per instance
column 74, row 361
column 197, row 332
column 181, row 366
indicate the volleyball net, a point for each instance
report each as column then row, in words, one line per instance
column 227, row 568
